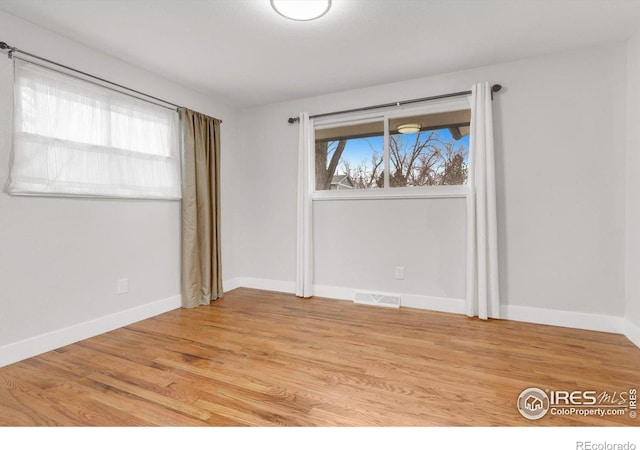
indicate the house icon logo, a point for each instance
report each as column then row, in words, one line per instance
column 533, row 403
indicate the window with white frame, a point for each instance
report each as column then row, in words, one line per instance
column 75, row 138
column 404, row 152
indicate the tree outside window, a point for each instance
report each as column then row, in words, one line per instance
column 352, row 157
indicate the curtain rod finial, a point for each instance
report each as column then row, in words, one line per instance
column 10, row 49
column 496, row 88
column 293, row 119
column 5, row 46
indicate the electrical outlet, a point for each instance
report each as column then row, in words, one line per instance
column 399, row 272
column 123, row 286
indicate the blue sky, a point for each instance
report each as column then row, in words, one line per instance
column 358, row 150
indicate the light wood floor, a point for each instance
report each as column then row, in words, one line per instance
column 263, row 358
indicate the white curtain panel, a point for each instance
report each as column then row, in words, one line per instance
column 304, row 262
column 72, row 137
column 483, row 299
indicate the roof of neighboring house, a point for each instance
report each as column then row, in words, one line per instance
column 344, row 180
column 339, row 178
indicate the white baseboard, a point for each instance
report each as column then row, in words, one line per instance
column 441, row 304
column 569, row 319
column 334, row 292
column 344, row 293
column 260, row 283
column 36, row 345
column 632, row 332
column 231, row 284
column 450, row 305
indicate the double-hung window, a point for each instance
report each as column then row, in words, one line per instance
column 75, row 138
column 421, row 151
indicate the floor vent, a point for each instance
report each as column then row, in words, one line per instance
column 377, row 299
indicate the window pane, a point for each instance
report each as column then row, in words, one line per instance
column 429, row 150
column 64, row 109
column 140, row 131
column 350, row 157
column 72, row 137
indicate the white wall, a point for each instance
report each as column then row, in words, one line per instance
column 560, row 143
column 60, row 258
column 632, row 224
column 359, row 243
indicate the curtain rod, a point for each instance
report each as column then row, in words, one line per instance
column 494, row 88
column 11, row 50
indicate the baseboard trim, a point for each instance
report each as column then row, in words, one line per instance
column 37, row 345
column 288, row 287
column 632, row 332
column 569, row 319
column 441, row 304
column 231, row 284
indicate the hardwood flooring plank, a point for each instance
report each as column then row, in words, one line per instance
column 175, row 405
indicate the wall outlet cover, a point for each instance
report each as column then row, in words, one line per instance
column 123, row 286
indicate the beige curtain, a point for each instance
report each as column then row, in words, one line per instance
column 201, row 266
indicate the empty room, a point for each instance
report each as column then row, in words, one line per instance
column 314, row 213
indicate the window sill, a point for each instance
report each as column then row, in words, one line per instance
column 392, row 193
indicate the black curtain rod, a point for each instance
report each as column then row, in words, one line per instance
column 494, row 88
column 11, row 50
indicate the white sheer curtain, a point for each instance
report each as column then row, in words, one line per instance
column 72, row 137
column 483, row 298
column 304, row 260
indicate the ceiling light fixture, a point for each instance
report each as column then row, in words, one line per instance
column 301, row 10
column 407, row 128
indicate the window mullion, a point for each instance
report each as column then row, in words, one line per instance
column 387, row 164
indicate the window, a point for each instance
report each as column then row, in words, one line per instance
column 394, row 153
column 72, row 137
column 349, row 157
column 435, row 153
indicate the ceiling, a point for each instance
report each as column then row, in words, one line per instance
column 245, row 52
